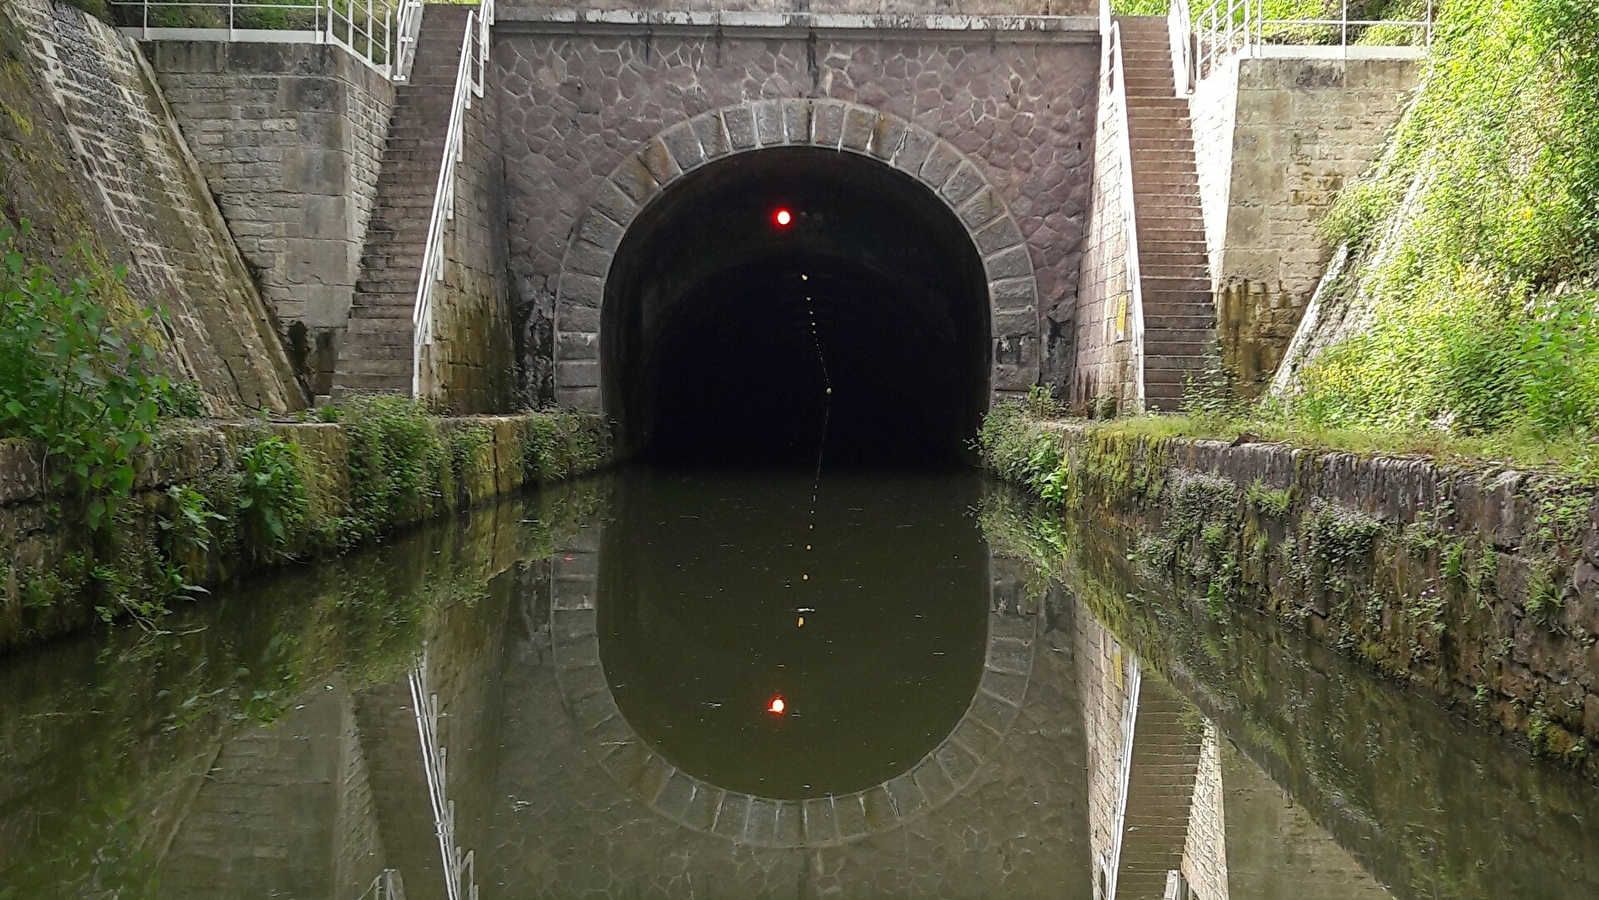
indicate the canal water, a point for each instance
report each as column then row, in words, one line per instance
column 664, row 683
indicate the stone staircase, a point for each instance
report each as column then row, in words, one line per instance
column 376, row 353
column 1179, row 308
column 1160, row 790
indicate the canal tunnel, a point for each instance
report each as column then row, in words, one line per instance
column 774, row 297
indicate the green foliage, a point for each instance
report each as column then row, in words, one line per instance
column 1015, row 447
column 269, row 495
column 1476, row 239
column 557, row 443
column 1341, row 539
column 186, row 536
column 1266, row 501
column 73, row 379
column 396, row 459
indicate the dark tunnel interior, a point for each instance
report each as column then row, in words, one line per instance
column 725, row 329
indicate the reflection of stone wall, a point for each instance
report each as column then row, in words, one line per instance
column 1205, row 852
column 285, row 811
column 573, row 106
column 899, row 7
column 1102, row 668
column 1010, row 824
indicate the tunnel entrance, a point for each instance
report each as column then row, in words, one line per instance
column 725, row 322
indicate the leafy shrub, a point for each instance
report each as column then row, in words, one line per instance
column 74, row 379
column 396, row 459
column 270, row 496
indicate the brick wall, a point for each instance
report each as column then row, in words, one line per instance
column 1275, row 140
column 290, row 138
column 1104, row 336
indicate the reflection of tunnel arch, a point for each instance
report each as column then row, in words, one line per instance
column 681, row 312
column 924, row 785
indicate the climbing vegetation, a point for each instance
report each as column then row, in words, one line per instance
column 1476, row 240
column 79, row 380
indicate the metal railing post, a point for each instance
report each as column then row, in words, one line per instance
column 1343, row 29
column 230, row 20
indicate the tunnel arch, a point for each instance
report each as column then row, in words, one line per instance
column 981, row 319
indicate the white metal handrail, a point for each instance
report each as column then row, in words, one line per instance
column 1230, row 27
column 362, row 27
column 1180, row 30
column 407, row 28
column 469, row 79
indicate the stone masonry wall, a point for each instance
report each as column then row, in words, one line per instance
column 1477, row 586
column 94, row 157
column 1275, row 140
column 471, row 364
column 575, row 104
column 41, row 533
column 1104, row 335
column 290, row 137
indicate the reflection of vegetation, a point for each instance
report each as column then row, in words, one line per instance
column 107, row 747
column 1420, row 602
column 1381, row 771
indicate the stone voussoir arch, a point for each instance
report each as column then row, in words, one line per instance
column 762, row 124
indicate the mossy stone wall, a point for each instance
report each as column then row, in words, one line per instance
column 1477, row 586
column 57, row 576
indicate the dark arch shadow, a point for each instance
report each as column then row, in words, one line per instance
column 721, row 330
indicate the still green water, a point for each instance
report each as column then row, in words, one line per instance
column 573, row 695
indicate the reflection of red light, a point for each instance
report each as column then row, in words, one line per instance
column 783, row 218
column 777, row 706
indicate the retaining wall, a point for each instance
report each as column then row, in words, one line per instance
column 1479, row 587
column 1275, row 140
column 47, row 555
column 290, row 138
column 90, row 155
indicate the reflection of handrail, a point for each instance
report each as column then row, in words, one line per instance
column 470, row 73
column 1124, row 772
column 388, row 885
column 361, row 27
column 458, row 866
column 1242, row 26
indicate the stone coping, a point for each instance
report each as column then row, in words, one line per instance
column 751, row 820
column 1024, row 29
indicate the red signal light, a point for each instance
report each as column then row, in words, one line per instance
column 783, row 217
column 777, row 706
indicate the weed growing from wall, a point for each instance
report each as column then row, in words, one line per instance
column 78, row 381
